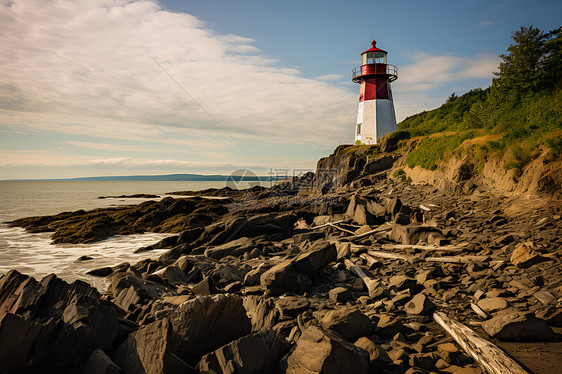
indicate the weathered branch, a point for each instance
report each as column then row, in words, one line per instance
column 491, row 358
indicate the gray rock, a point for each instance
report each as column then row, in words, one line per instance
column 253, row 354
column 320, row 254
column 492, row 304
column 172, row 274
column 234, row 248
column 514, row 325
column 100, row 272
column 545, row 297
column 319, row 351
column 252, row 278
column 282, row 278
column 124, row 280
column 525, row 255
column 378, row 358
column 149, row 350
column 292, row 306
column 402, row 282
column 262, row 311
column 420, row 304
column 412, row 234
column 203, row 288
column 100, row 363
column 340, row 295
column 206, row 323
column 350, row 323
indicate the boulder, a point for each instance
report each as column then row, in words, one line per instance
column 234, row 248
column 320, row 254
column 350, row 323
column 378, row 358
column 262, row 312
column 319, row 351
column 515, row 325
column 203, row 288
column 525, row 255
column 100, row 363
column 401, row 282
column 340, row 295
column 124, row 280
column 283, row 277
column 171, row 275
column 292, row 306
column 252, row 354
column 252, row 278
column 492, row 304
column 545, row 297
column 129, row 298
column 206, row 323
column 419, row 305
column 52, row 325
column 100, row 272
column 149, row 350
column 412, row 234
column 18, row 339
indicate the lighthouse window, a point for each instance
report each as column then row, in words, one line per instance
column 359, row 129
column 374, row 58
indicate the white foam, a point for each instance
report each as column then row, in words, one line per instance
column 33, row 254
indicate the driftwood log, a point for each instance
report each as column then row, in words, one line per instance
column 382, row 228
column 369, row 282
column 489, row 356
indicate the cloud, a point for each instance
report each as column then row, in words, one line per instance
column 124, row 162
column 329, row 77
column 423, row 83
column 110, row 147
column 485, row 23
column 89, row 67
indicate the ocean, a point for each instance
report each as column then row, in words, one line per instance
column 33, row 254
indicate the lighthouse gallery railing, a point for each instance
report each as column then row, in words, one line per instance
column 390, row 70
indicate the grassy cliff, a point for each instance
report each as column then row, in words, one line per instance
column 515, row 119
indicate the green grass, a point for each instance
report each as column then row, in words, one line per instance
column 431, row 150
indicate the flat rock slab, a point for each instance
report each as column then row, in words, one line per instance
column 492, row 304
column 350, row 323
column 514, row 325
column 525, row 255
column 319, row 351
column 420, row 304
column 206, row 323
column 149, row 350
column 252, row 354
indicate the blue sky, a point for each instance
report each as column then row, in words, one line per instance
column 115, row 87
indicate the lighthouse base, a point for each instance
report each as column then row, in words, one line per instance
column 375, row 119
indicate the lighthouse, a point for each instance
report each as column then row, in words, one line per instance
column 375, row 116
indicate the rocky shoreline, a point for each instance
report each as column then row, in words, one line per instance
column 336, row 272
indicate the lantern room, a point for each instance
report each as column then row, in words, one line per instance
column 374, row 55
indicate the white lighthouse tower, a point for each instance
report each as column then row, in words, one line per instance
column 375, row 117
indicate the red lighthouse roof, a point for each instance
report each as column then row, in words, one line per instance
column 374, row 48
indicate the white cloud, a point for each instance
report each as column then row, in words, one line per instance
column 420, row 81
column 88, row 67
column 485, row 23
column 329, row 77
column 125, row 162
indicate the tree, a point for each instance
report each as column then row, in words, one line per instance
column 520, row 68
column 452, row 97
column 533, row 61
column 552, row 60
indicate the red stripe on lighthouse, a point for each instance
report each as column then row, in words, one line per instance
column 374, row 88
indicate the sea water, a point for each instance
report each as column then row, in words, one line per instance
column 33, row 254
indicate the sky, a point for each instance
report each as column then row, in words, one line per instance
column 115, row 87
